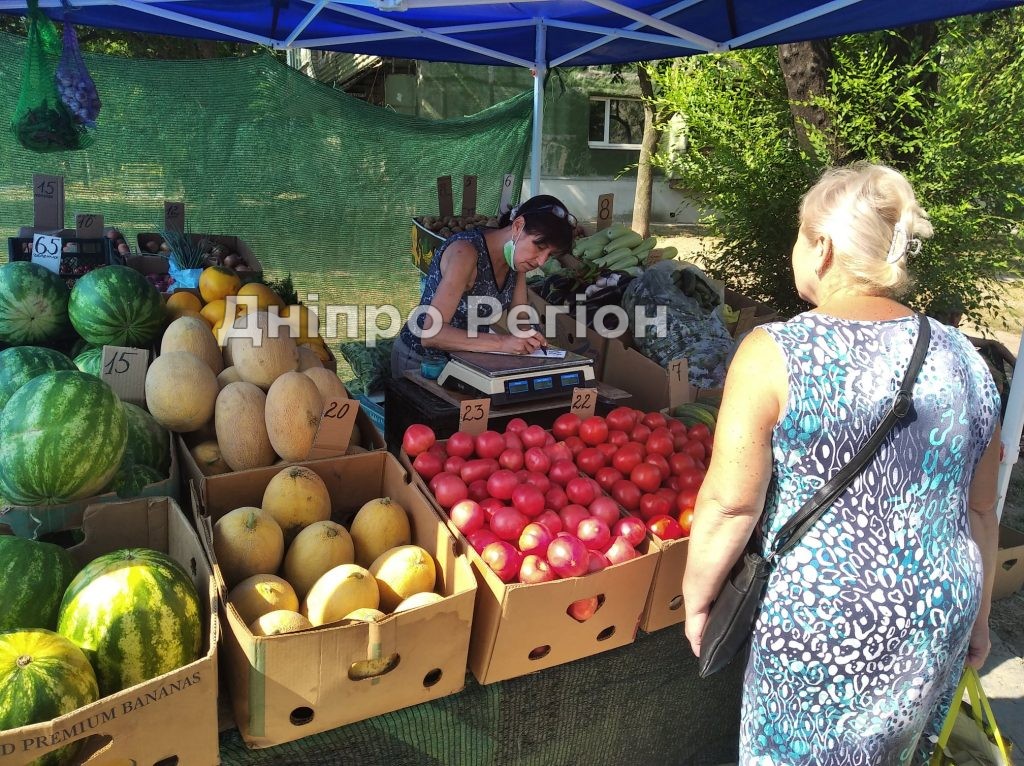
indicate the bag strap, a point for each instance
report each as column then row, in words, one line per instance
column 939, row 754
column 979, row 699
column 812, row 510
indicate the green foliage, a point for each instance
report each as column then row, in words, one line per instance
column 950, row 119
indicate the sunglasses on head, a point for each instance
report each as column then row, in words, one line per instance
column 556, row 210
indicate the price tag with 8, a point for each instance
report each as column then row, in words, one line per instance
column 124, row 370
column 473, row 415
column 584, row 402
column 46, row 252
column 335, row 431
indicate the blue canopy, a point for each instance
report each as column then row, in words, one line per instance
column 534, row 33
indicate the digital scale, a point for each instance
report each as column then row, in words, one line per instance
column 509, row 378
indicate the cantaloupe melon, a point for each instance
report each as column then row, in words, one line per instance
column 181, row 391
column 365, row 615
column 378, row 526
column 208, row 458
column 338, row 592
column 279, row 621
column 261, row 594
column 296, row 497
column 327, row 382
column 242, row 427
column 318, row 548
column 194, row 336
column 402, row 572
column 417, row 600
column 308, row 360
column 261, row 348
column 228, row 375
column 247, row 541
column 293, row 412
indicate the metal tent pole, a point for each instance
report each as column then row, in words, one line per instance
column 1013, row 424
column 540, row 71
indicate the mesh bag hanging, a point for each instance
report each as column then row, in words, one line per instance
column 74, row 83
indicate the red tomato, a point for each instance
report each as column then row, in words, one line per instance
column 508, row 523
column 672, row 482
column 558, row 451
column 660, row 444
column 504, row 559
column 621, row 419
column 594, row 430
column 686, row 500
column 640, row 433
column 676, row 426
column 417, row 439
column 428, row 465
column 568, row 556
column 556, row 498
column 594, row 534
column 512, row 459
column 679, row 441
column 533, row 436
column 607, row 449
column 618, row 438
column 652, row 505
column 646, row 476
column 680, row 461
column 695, row 449
column 515, row 425
column 528, row 500
column 467, row 516
column 571, row 517
column 620, row 550
column 563, row 472
column 691, row 479
column 478, row 490
column 575, row 445
column 548, row 439
column 654, row 420
column 627, row 494
column 460, row 444
column 489, row 444
column 597, row 562
column 473, row 470
column 535, row 569
column 551, row 520
column 490, row 505
column 481, row 539
column 631, row 528
column 454, row 464
column 699, row 431
column 501, row 483
column 535, row 539
column 580, row 491
column 607, row 476
column 604, row 508
column 449, row 490
column 590, row 460
column 626, row 459
column 566, row 425
column 669, row 494
column 659, row 462
column 536, row 460
column 512, row 441
column 686, row 522
column 539, row 480
column 665, row 527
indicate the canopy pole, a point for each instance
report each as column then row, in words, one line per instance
column 1013, row 424
column 539, row 74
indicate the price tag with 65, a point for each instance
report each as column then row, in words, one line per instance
column 584, row 402
column 335, row 431
column 473, row 414
column 124, row 370
column 46, row 252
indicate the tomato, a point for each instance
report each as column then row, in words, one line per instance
column 679, row 441
column 512, row 441
column 473, row 470
column 580, row 491
column 590, row 460
column 501, row 483
column 535, row 569
column 489, row 444
column 645, row 476
column 503, row 559
column 548, row 439
column 563, row 472
column 620, row 550
column 597, row 562
column 686, row 500
column 449, row 490
column 676, row 426
column 539, row 480
column 594, row 430
column 467, row 516
column 417, row 439
column 652, row 505
column 512, row 459
column 594, row 534
column 640, row 433
column 515, row 425
column 621, row 419
column 695, row 449
column 691, row 479
column 536, row 460
column 661, row 444
column 533, row 436
column 460, row 444
column 551, row 520
column 508, row 523
column 626, row 459
column 454, row 464
column 478, row 490
column 608, row 450
column 535, row 539
column 558, row 451
column 665, row 527
column 618, row 438
column 575, row 445
column 604, row 508
column 528, row 500
column 571, row 517
column 566, row 425
column 686, row 522
column 699, row 431
column 654, row 420
column 659, row 462
column 627, row 494
column 631, row 528
column 428, row 465
column 672, row 482
column 481, row 539
column 680, row 461
column 607, row 476
column 669, row 494
column 490, row 505
column 568, row 556
column 556, row 498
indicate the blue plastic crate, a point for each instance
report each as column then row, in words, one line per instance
column 373, row 410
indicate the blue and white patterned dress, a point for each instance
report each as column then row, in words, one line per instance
column 865, row 624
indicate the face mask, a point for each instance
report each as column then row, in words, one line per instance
column 510, row 253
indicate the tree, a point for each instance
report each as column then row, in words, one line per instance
column 648, row 146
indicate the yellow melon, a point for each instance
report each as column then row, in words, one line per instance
column 247, row 541
column 308, row 360
column 402, row 572
column 256, row 296
column 242, row 427
column 418, row 599
column 338, row 592
column 261, row 594
column 194, row 336
column 208, row 458
column 365, row 615
column 294, row 407
column 181, row 391
column 217, row 282
column 378, row 526
column 228, row 375
column 318, row 548
column 327, row 382
column 181, row 303
column 214, row 312
column 261, row 349
column 279, row 621
column 296, row 497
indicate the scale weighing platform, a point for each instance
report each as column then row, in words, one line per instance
column 509, row 378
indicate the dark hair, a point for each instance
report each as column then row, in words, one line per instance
column 543, row 221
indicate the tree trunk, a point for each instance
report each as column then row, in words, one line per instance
column 645, row 171
column 805, row 67
column 907, row 47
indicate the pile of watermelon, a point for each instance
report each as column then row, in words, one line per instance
column 68, row 637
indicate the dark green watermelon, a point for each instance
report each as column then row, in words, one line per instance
column 33, row 304
column 19, row 364
column 116, row 306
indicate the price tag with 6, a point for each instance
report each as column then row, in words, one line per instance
column 584, row 402
column 473, row 415
column 335, row 431
column 124, row 370
column 46, row 252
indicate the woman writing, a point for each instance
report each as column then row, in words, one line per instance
column 483, row 264
column 867, row 623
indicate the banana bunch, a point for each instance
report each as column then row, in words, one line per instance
column 693, row 413
column 617, row 248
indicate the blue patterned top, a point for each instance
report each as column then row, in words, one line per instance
column 865, row 624
column 486, row 285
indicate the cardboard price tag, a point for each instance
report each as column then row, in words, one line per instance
column 445, row 206
column 584, row 402
column 47, row 201
column 46, row 252
column 124, row 370
column 174, row 216
column 506, row 194
column 678, row 382
column 88, row 225
column 335, row 431
column 605, row 210
column 469, row 196
column 473, row 415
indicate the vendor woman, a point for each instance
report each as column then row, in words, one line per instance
column 483, row 263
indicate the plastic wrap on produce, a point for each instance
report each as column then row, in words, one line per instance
column 694, row 329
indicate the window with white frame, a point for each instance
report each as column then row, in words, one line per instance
column 615, row 123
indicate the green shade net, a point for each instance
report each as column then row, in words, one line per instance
column 318, row 183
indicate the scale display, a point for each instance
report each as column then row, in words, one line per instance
column 508, row 378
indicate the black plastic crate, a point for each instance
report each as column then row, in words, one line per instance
column 79, row 256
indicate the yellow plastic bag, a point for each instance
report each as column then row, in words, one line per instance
column 970, row 735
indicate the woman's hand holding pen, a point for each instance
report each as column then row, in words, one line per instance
column 512, row 344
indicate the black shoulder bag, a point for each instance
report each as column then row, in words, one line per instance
column 732, row 616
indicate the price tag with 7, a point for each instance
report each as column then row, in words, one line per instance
column 335, row 431
column 584, row 402
column 46, row 252
column 473, row 415
column 678, row 382
column 124, row 370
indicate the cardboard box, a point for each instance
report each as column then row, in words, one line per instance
column 233, row 244
column 36, row 521
column 293, row 685
column 752, row 313
column 168, row 719
column 1009, row 563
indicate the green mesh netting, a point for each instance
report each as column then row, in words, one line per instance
column 319, row 184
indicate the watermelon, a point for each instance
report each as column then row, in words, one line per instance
column 18, row 365
column 33, row 304
column 136, row 615
column 62, row 438
column 116, row 306
column 149, row 443
column 33, row 578
column 43, row 676
column 90, row 360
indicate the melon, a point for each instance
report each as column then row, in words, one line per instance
column 20, row 364
column 293, row 412
column 33, row 304
column 296, row 497
column 327, row 382
column 340, row 591
column 33, row 578
column 135, row 614
column 417, row 600
column 380, row 525
column 365, row 614
column 247, row 541
column 261, row 349
column 116, row 306
column 279, row 621
column 193, row 335
column 318, row 548
column 241, row 425
column 402, row 572
column 260, row 594
column 181, row 391
column 308, row 360
column 208, row 458
column 228, row 375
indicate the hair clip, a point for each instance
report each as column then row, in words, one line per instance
column 902, row 246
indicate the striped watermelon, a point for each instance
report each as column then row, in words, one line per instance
column 116, row 306
column 43, row 676
column 62, row 437
column 33, row 578
column 33, row 304
column 18, row 365
column 149, row 443
column 90, row 360
column 136, row 615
